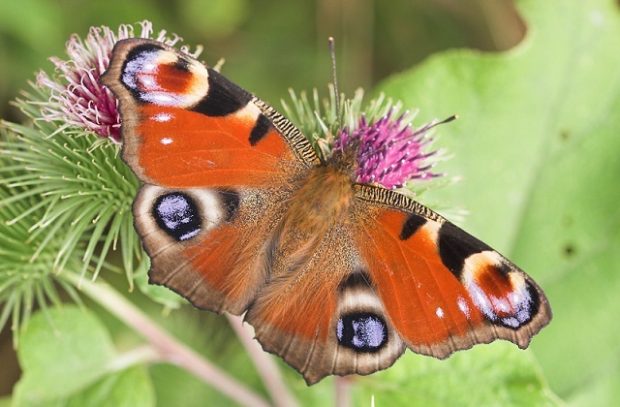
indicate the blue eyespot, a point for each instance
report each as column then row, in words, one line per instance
column 362, row 332
column 177, row 214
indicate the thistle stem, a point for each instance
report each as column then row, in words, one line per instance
column 266, row 367
column 140, row 355
column 343, row 395
column 169, row 348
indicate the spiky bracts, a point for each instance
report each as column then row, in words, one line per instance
column 77, row 98
column 389, row 151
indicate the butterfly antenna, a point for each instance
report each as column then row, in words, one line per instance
column 444, row 121
column 332, row 53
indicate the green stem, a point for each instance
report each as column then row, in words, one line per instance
column 343, row 395
column 266, row 367
column 169, row 348
column 138, row 356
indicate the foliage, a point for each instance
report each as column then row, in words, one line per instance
column 23, row 281
column 509, row 377
column 80, row 197
column 535, row 144
column 69, row 360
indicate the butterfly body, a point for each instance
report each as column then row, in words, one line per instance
column 320, row 204
column 239, row 214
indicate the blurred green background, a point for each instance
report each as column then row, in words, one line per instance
column 269, row 46
column 536, row 145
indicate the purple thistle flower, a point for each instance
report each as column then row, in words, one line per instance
column 390, row 151
column 77, row 98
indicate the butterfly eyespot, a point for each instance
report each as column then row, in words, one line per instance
column 138, row 59
column 524, row 306
column 156, row 76
column 505, row 297
column 182, row 65
column 362, row 332
column 177, row 215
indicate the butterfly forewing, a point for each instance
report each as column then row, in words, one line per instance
column 186, row 125
column 443, row 289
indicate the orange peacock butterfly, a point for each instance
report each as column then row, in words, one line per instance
column 238, row 213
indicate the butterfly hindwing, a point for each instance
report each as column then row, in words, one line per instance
column 443, row 289
column 325, row 318
column 207, row 244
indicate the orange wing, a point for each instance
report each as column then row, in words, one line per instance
column 443, row 289
column 186, row 125
column 324, row 318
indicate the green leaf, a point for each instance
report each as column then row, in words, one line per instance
column 212, row 337
column 494, row 375
column 129, row 388
column 173, row 385
column 601, row 392
column 537, row 145
column 320, row 394
column 61, row 352
column 68, row 359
